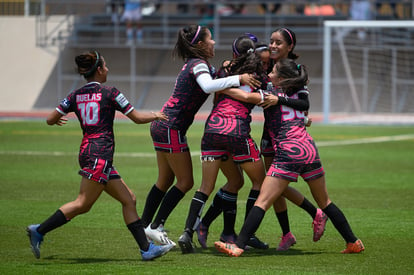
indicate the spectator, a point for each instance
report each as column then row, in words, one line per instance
column 133, row 15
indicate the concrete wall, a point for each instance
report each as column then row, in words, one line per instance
column 24, row 68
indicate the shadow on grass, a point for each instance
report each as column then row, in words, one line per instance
column 87, row 260
column 260, row 252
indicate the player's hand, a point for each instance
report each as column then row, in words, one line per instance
column 269, row 100
column 62, row 121
column 160, row 116
column 249, row 79
column 308, row 121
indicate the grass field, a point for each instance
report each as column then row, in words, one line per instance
column 369, row 178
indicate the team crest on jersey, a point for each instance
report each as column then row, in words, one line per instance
column 122, row 101
column 65, row 103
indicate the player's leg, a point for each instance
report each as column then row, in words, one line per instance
column 159, row 189
column 210, row 168
column 88, row 194
column 121, row 192
column 235, row 181
column 271, row 189
column 318, row 217
column 256, row 172
column 320, row 194
column 224, row 201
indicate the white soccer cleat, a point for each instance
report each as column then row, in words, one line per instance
column 158, row 235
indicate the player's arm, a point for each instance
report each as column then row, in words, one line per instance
column 145, row 117
column 210, row 85
column 300, row 104
column 57, row 118
column 239, row 94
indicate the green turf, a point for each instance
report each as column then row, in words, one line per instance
column 372, row 183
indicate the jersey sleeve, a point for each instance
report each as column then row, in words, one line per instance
column 209, row 85
column 300, row 104
column 66, row 105
column 121, row 102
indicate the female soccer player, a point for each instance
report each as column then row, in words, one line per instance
column 282, row 44
column 226, row 140
column 94, row 105
column 193, row 85
column 295, row 155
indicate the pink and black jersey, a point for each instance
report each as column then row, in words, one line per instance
column 188, row 97
column 291, row 142
column 95, row 107
column 231, row 116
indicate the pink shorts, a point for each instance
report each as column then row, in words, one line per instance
column 168, row 140
column 99, row 170
column 291, row 172
column 217, row 146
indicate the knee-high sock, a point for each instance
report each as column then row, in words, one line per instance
column 170, row 201
column 340, row 222
column 308, row 207
column 250, row 225
column 154, row 199
column 253, row 195
column 194, row 214
column 137, row 230
column 283, row 219
column 229, row 212
column 214, row 210
column 56, row 220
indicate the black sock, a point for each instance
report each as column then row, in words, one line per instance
column 250, row 226
column 339, row 221
column 53, row 222
column 253, row 195
column 214, row 210
column 283, row 219
column 154, row 199
column 308, row 207
column 229, row 212
column 170, row 201
column 137, row 230
column 194, row 214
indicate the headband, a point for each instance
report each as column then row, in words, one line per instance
column 286, row 30
column 196, row 34
column 234, row 47
column 262, row 48
column 94, row 67
column 252, row 37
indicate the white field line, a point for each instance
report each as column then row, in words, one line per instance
column 198, row 153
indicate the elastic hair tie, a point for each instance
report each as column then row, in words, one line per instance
column 291, row 38
column 250, row 50
column 298, row 66
column 94, row 67
column 196, row 34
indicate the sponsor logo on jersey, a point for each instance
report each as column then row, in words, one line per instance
column 122, row 101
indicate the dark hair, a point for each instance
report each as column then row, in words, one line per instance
column 295, row 76
column 88, row 63
column 187, row 38
column 290, row 38
column 246, row 60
